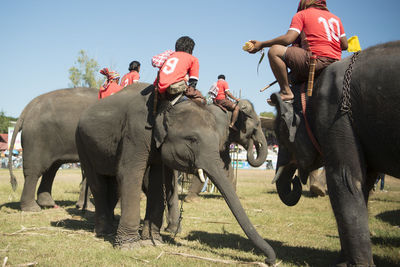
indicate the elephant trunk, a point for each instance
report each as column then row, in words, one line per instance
column 289, row 190
column 261, row 148
column 229, row 194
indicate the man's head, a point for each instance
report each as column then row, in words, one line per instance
column 135, row 65
column 184, row 44
column 221, row 76
column 304, row 4
column 110, row 74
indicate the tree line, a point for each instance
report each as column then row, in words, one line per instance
column 5, row 122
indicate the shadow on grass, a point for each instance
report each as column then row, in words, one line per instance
column 305, row 193
column 387, row 241
column 11, row 205
column 392, row 217
column 299, row 256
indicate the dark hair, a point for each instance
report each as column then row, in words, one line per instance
column 221, row 76
column 184, row 44
column 134, row 66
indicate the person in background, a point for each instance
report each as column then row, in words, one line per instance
column 133, row 75
column 223, row 100
column 314, row 31
column 381, row 176
column 180, row 72
column 111, row 85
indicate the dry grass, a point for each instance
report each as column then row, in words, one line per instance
column 304, row 235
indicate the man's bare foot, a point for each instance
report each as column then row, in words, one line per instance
column 233, row 127
column 286, row 97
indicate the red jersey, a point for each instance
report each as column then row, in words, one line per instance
column 110, row 90
column 323, row 31
column 222, row 88
column 176, row 68
column 130, row 78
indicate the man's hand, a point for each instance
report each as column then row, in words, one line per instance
column 257, row 47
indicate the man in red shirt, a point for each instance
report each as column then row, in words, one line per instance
column 133, row 75
column 180, row 72
column 223, row 100
column 111, row 85
column 321, row 34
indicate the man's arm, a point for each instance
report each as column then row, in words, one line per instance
column 284, row 40
column 343, row 43
column 231, row 96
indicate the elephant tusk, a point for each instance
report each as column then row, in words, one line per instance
column 201, row 175
column 278, row 174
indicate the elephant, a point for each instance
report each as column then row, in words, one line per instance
column 48, row 126
column 117, row 145
column 354, row 118
column 250, row 134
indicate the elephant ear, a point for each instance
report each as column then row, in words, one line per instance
column 287, row 115
column 161, row 123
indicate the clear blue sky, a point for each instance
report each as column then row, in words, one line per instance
column 41, row 39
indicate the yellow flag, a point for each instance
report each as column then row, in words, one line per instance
column 354, row 44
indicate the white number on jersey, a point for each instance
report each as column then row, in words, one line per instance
column 330, row 30
column 170, row 65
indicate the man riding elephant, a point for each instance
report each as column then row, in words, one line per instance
column 314, row 31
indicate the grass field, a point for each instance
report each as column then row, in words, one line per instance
column 303, row 235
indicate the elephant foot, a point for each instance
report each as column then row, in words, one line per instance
column 30, row 207
column 152, row 242
column 191, row 198
column 125, row 243
column 173, row 228
column 44, row 199
column 317, row 190
column 104, row 230
column 89, row 206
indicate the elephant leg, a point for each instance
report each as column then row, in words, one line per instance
column 317, row 183
column 103, row 213
column 112, row 194
column 173, row 207
column 44, row 198
column 28, row 202
column 130, row 187
column 84, row 196
column 346, row 176
column 159, row 191
column 194, row 189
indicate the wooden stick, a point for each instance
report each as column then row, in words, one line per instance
column 217, row 260
column 268, row 86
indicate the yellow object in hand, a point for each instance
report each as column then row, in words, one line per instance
column 353, row 44
column 248, row 46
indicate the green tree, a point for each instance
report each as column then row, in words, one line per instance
column 84, row 71
column 5, row 122
column 267, row 114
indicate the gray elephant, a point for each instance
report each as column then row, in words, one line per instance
column 354, row 115
column 48, row 126
column 116, row 147
column 250, row 134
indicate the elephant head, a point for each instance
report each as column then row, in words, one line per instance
column 296, row 150
column 191, row 142
column 250, row 134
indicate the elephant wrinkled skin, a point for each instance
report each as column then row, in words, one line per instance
column 115, row 148
column 355, row 146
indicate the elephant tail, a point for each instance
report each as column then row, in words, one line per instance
column 17, row 128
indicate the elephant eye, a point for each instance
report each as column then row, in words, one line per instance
column 191, row 139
